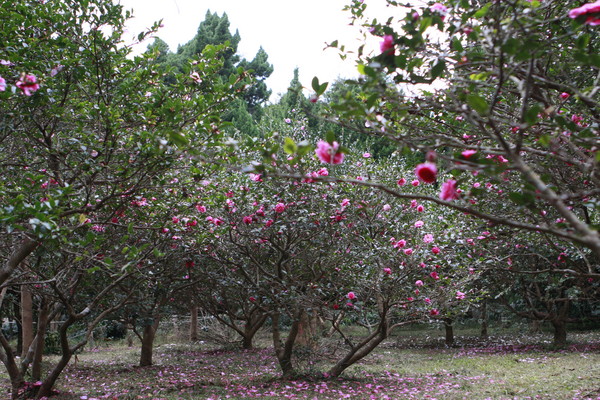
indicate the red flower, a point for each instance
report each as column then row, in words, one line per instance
column 449, row 191
column 387, row 44
column 427, row 172
column 329, row 153
column 28, row 84
column 591, row 11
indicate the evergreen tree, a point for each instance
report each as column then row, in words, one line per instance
column 215, row 30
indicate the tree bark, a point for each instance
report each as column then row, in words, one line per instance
column 26, row 247
column 26, row 319
column 449, row 330
column 283, row 350
column 253, row 324
column 484, row 320
column 362, row 349
column 148, row 336
column 194, row 323
column 308, row 330
column 560, row 332
column 14, row 373
column 36, row 366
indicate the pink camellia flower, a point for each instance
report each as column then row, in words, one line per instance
column 419, row 224
column 247, row 219
column 252, row 299
column 256, row 177
column 449, row 191
column 351, row 295
column 427, row 300
column 217, row 221
column 200, row 208
column 564, row 95
column 2, row 84
column 279, row 208
column 401, row 182
column 345, row 203
column 428, row 238
column 415, row 183
column 400, row 244
column 591, row 11
column 434, row 312
column 387, row 44
column 387, row 271
column 434, row 275
column 175, row 220
column 420, row 208
column 419, row 283
column 329, row 153
column 408, row 251
column 460, row 295
column 28, row 84
column 366, row 155
column 435, row 250
column 468, row 153
column 323, row 172
column 439, row 9
column 269, row 223
column 427, row 172
column 387, row 207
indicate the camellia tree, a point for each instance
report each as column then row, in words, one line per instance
column 511, row 101
column 499, row 99
column 88, row 134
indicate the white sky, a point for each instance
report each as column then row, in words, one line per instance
column 293, row 33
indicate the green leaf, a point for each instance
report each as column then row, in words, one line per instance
column 330, row 137
column 315, row 84
column 289, row 146
column 178, row 139
column 478, row 104
column 531, row 115
column 582, row 41
column 456, row 44
column 438, row 69
column 482, row 11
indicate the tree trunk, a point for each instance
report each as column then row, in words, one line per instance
column 66, row 353
column 148, row 336
column 8, row 359
column 560, row 332
column 17, row 256
column 26, row 319
column 308, row 330
column 484, row 320
column 36, row 367
column 360, row 350
column 534, row 326
column 253, row 324
column 449, row 329
column 194, row 323
column 283, row 350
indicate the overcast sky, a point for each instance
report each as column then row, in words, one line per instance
column 293, row 33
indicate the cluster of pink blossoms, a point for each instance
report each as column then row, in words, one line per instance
column 28, row 84
column 590, row 11
column 329, row 153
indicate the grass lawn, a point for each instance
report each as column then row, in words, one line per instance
column 405, row 367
